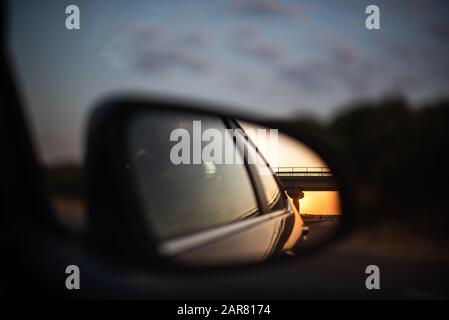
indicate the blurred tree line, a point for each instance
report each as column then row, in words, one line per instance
column 399, row 157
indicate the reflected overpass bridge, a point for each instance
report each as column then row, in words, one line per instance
column 297, row 179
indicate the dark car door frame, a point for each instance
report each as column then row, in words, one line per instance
column 25, row 210
column 35, row 247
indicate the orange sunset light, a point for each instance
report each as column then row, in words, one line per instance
column 320, row 202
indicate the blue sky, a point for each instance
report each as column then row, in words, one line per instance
column 272, row 57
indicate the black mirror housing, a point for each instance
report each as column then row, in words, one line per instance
column 117, row 223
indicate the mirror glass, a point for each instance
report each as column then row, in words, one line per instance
column 216, row 191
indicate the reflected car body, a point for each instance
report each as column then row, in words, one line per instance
column 254, row 240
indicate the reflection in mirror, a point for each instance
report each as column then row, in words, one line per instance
column 217, row 191
column 309, row 184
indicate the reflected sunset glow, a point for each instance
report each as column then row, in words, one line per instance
column 292, row 153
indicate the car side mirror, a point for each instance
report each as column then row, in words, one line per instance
column 175, row 183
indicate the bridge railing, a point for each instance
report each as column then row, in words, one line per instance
column 303, row 171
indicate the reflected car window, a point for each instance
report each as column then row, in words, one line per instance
column 273, row 194
column 270, row 186
column 185, row 198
